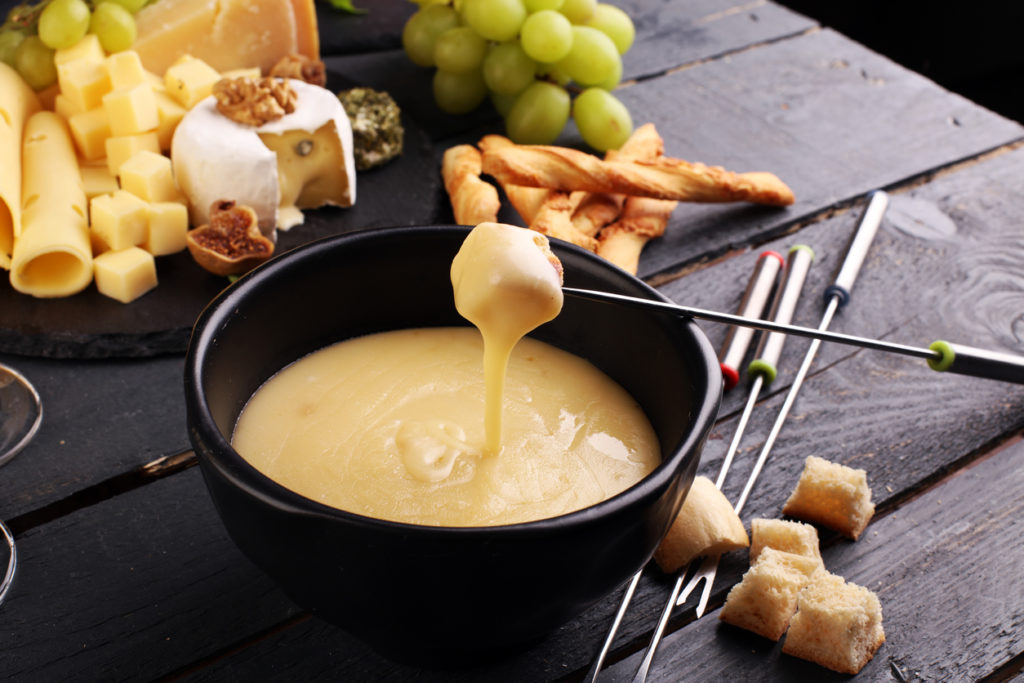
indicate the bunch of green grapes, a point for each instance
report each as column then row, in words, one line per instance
column 33, row 32
column 539, row 61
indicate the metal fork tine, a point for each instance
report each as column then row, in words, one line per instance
column 702, row 605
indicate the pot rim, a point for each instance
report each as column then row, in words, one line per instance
column 215, row 450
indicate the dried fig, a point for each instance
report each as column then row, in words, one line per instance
column 231, row 244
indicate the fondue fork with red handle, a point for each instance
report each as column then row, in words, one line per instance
column 737, row 342
column 763, row 371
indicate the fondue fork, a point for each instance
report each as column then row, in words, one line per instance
column 763, row 371
column 737, row 342
column 942, row 356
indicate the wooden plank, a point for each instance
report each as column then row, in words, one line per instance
column 829, row 117
column 946, row 569
column 99, row 420
column 133, row 588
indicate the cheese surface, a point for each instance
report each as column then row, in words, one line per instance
column 216, row 158
column 505, row 284
column 17, row 103
column 390, row 426
column 52, row 254
column 226, row 34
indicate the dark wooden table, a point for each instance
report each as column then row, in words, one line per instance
column 125, row 571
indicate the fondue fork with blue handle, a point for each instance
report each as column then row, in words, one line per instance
column 737, row 342
column 763, row 371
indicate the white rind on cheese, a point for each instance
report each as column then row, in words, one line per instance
column 216, row 158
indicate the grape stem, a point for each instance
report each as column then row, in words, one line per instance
column 24, row 16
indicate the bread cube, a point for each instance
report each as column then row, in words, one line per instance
column 833, row 495
column 168, row 226
column 189, row 80
column 90, row 130
column 766, row 598
column 120, row 219
column 837, row 624
column 131, row 110
column 792, row 537
column 121, row 148
column 148, row 175
column 706, row 525
column 125, row 275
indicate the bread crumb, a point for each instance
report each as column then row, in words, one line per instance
column 837, row 624
column 765, row 599
column 833, row 495
column 706, row 525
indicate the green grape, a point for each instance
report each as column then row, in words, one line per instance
column 62, row 23
column 9, row 41
column 132, row 6
column 539, row 114
column 114, row 26
column 538, row 5
column 34, row 61
column 614, row 78
column 508, row 69
column 603, row 121
column 551, row 72
column 546, row 36
column 459, row 93
column 503, row 103
column 459, row 49
column 497, row 20
column 592, row 59
column 615, row 24
column 578, row 11
column 421, row 31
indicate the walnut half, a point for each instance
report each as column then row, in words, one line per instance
column 254, row 101
column 302, row 68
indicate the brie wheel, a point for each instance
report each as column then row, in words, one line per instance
column 216, row 158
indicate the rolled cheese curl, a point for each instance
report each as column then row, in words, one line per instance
column 17, row 103
column 52, row 254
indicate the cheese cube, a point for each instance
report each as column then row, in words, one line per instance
column 148, row 176
column 87, row 48
column 131, row 110
column 125, row 274
column 125, row 69
column 65, row 107
column 121, row 148
column 169, row 114
column 83, row 83
column 168, row 226
column 120, row 219
column 97, row 180
column 190, row 80
column 251, row 72
column 90, row 130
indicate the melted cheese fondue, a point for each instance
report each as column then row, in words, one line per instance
column 392, row 425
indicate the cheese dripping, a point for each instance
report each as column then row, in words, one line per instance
column 507, row 282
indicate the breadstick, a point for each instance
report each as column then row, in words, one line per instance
column 554, row 219
column 598, row 209
column 473, row 200
column 561, row 168
column 642, row 220
column 526, row 200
